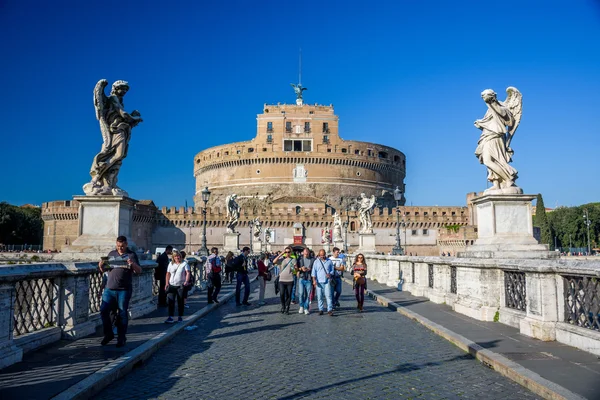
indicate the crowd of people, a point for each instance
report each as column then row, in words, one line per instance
column 297, row 277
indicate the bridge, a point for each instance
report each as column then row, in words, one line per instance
column 459, row 328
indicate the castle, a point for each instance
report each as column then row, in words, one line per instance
column 294, row 175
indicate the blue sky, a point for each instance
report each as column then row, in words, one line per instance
column 407, row 74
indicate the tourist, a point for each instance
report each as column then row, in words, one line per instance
column 212, row 269
column 188, row 286
column 322, row 272
column 229, row 269
column 305, row 264
column 262, row 278
column 160, row 275
column 286, row 277
column 118, row 290
column 338, row 274
column 240, row 264
column 359, row 271
column 178, row 276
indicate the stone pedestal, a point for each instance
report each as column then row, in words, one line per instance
column 327, row 247
column 9, row 353
column 505, row 229
column 257, row 246
column 101, row 220
column 231, row 242
column 366, row 243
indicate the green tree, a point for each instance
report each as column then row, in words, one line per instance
column 541, row 221
column 20, row 225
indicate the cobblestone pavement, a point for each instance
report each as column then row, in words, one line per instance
column 257, row 353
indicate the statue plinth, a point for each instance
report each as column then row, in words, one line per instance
column 505, row 228
column 101, row 220
column 256, row 245
column 231, row 242
column 366, row 243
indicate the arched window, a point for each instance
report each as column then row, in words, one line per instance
column 298, row 210
column 353, row 226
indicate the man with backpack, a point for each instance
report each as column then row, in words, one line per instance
column 212, row 270
column 240, row 265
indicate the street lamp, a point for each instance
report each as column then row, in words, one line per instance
column 397, row 250
column 205, row 197
column 586, row 220
column 250, row 224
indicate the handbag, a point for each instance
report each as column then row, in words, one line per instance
column 276, row 282
column 269, row 276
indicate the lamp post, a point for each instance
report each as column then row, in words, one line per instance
column 397, row 250
column 205, row 197
column 586, row 220
column 250, row 224
column 346, row 224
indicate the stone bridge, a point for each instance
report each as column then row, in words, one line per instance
column 460, row 328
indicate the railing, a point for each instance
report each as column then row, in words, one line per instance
column 412, row 273
column 582, row 301
column 430, row 275
column 95, row 291
column 33, row 305
column 453, row 288
column 515, row 290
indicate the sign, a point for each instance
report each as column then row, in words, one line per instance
column 298, row 240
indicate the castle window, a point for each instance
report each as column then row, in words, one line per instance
column 425, row 231
column 369, row 152
column 311, row 112
column 329, row 150
column 453, row 213
column 307, row 127
column 258, row 171
column 383, row 154
column 357, row 152
column 344, row 150
column 270, row 127
column 425, row 213
column 218, row 154
column 325, row 138
column 297, row 145
column 226, row 153
column 358, row 173
column 416, row 214
column 434, row 213
column 238, row 152
column 288, row 127
column 264, row 149
column 298, row 210
column 444, row 213
column 250, row 149
column 353, row 226
column 67, row 203
column 325, row 127
column 414, row 232
column 269, row 138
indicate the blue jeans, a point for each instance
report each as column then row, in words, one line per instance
column 324, row 290
column 294, row 288
column 115, row 299
column 305, row 288
column 242, row 278
column 336, row 289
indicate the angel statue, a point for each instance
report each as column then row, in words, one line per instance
column 337, row 228
column 365, row 209
column 257, row 228
column 268, row 235
column 233, row 212
column 498, row 127
column 298, row 89
column 326, row 236
column 115, row 126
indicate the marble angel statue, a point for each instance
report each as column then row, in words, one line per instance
column 233, row 212
column 257, row 226
column 365, row 208
column 115, row 125
column 337, row 228
column 498, row 127
column 268, row 235
column 326, row 236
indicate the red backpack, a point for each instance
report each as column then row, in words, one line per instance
column 214, row 267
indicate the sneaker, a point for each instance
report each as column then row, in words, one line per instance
column 179, row 319
column 169, row 320
column 320, row 312
column 306, row 312
column 330, row 313
column 216, row 301
column 107, row 339
column 121, row 343
column 301, row 310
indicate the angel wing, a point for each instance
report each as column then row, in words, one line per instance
column 514, row 102
column 100, row 105
column 227, row 200
column 372, row 202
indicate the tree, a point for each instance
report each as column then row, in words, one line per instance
column 541, row 221
column 20, row 225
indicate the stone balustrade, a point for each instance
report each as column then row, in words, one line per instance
column 42, row 303
column 545, row 299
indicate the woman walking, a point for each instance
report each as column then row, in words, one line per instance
column 178, row 276
column 262, row 278
column 229, row 271
column 359, row 271
column 286, row 278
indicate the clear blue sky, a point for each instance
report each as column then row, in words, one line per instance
column 407, row 74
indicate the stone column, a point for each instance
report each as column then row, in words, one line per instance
column 366, row 243
column 231, row 242
column 74, row 298
column 9, row 352
column 542, row 306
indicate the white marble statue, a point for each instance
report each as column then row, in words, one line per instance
column 337, row 228
column 365, row 209
column 115, row 125
column 257, row 226
column 498, row 127
column 233, row 212
column 326, row 236
column 268, row 235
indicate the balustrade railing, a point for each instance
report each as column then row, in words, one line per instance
column 34, row 305
column 515, row 290
column 95, row 291
column 430, row 273
column 582, row 301
column 453, row 279
column 412, row 272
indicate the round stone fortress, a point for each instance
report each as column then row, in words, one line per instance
column 298, row 153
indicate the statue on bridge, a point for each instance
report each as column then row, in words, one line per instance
column 337, row 228
column 115, row 125
column 233, row 212
column 257, row 228
column 365, row 210
column 498, row 127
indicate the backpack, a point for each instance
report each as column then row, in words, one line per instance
column 214, row 267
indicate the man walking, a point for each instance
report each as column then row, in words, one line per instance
column 305, row 265
column 213, row 274
column 160, row 274
column 322, row 273
column 241, row 266
column 118, row 290
column 338, row 273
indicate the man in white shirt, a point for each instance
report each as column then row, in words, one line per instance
column 338, row 273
